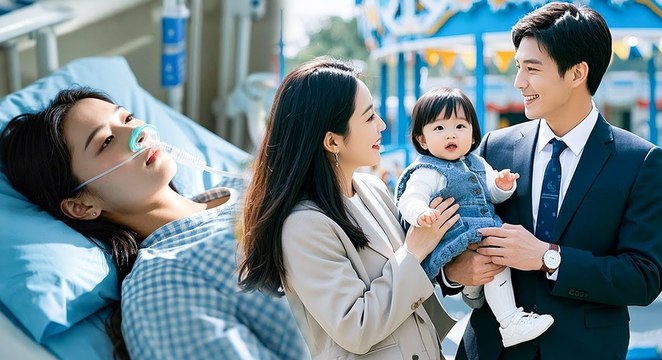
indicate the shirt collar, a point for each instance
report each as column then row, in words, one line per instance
column 575, row 138
column 194, row 220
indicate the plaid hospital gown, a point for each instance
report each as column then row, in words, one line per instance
column 181, row 300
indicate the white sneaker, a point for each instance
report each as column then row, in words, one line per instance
column 524, row 327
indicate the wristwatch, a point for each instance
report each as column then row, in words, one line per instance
column 551, row 259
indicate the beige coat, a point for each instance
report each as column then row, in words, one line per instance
column 360, row 304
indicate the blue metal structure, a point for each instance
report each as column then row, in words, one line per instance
column 652, row 106
column 480, row 81
column 402, row 126
column 383, row 93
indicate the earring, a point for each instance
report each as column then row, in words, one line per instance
column 335, row 155
column 94, row 214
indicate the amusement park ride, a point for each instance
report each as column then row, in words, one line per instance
column 414, row 34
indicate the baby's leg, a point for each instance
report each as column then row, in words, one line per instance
column 499, row 295
column 473, row 292
column 516, row 326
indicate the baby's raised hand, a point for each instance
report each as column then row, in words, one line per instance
column 505, row 180
column 427, row 217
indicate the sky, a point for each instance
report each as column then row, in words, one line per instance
column 303, row 16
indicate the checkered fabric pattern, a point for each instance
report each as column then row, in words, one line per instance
column 181, row 301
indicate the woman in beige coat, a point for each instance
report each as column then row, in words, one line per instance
column 327, row 236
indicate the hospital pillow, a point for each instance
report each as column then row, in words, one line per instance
column 51, row 277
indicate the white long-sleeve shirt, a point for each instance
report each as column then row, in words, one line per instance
column 424, row 182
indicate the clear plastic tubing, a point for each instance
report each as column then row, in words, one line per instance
column 192, row 161
column 146, row 136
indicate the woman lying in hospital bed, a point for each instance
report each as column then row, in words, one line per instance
column 89, row 163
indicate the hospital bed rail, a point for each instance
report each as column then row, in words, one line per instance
column 38, row 21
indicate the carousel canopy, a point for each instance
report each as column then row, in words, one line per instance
column 393, row 26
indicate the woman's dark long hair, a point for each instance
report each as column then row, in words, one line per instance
column 291, row 165
column 38, row 165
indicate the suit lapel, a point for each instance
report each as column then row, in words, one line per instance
column 597, row 150
column 378, row 210
column 523, row 151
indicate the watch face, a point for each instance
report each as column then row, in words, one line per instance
column 552, row 259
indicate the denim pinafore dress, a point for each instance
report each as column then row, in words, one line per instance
column 466, row 182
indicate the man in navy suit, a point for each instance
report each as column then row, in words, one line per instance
column 602, row 250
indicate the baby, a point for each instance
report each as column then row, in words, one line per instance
column 445, row 130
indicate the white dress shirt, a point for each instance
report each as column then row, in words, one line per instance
column 576, row 140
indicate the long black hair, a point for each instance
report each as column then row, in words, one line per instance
column 38, row 164
column 569, row 34
column 291, row 165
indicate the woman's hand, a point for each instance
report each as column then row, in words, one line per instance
column 421, row 241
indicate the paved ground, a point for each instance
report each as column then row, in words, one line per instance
column 645, row 326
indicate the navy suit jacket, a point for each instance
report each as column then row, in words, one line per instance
column 610, row 231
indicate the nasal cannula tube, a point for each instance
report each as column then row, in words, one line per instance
column 192, row 161
column 147, row 136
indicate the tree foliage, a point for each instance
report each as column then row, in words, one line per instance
column 338, row 38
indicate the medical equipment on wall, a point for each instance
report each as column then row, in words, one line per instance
column 173, row 52
column 241, row 97
column 145, row 137
column 253, row 99
column 240, row 102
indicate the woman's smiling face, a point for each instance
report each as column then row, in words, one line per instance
column 362, row 144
